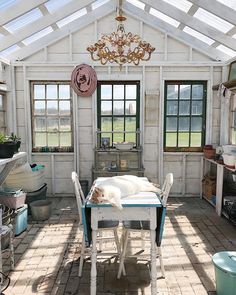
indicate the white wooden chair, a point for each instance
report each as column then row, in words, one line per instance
column 143, row 226
column 104, row 225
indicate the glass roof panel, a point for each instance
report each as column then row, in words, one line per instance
column 198, row 35
column 230, row 3
column 53, row 5
column 9, row 50
column 71, row 17
column 226, row 50
column 213, row 20
column 98, row 3
column 37, row 35
column 164, row 17
column 6, row 3
column 137, row 3
column 23, row 20
column 183, row 5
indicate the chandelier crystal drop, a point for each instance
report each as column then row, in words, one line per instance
column 120, row 47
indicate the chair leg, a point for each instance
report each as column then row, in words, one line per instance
column 126, row 237
column 161, row 261
column 1, row 277
column 11, row 248
column 143, row 239
column 81, row 261
column 118, row 248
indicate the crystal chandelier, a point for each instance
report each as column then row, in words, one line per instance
column 120, row 47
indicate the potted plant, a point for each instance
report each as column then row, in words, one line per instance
column 7, row 146
column 17, row 140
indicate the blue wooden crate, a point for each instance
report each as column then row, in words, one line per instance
column 21, row 220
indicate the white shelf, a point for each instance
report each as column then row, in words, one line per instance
column 15, row 157
column 219, row 183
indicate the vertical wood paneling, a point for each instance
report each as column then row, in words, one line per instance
column 161, row 120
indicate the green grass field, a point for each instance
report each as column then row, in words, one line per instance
column 118, row 125
column 171, row 140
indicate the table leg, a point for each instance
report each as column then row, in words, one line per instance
column 93, row 282
column 153, row 263
column 153, row 253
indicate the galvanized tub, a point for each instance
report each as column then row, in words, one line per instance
column 41, row 210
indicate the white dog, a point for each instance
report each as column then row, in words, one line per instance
column 112, row 190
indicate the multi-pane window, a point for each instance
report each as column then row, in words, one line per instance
column 52, row 116
column 2, row 114
column 184, row 126
column 118, row 111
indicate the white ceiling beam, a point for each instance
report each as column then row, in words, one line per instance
column 192, row 22
column 218, row 9
column 18, row 9
column 57, row 35
column 42, row 23
column 183, row 37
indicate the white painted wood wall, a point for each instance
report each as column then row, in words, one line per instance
column 172, row 60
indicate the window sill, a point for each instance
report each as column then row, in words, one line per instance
column 52, row 153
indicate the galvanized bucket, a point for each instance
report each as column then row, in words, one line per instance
column 41, row 210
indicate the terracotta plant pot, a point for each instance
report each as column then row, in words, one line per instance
column 209, row 153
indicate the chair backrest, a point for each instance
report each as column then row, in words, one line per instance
column 166, row 188
column 80, row 199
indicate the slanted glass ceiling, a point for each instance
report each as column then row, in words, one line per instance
column 6, row 4
column 54, row 5
column 183, row 5
column 226, row 50
column 99, row 3
column 137, row 3
column 23, row 20
column 164, row 17
column 37, row 36
column 213, row 20
column 9, row 50
column 198, row 35
column 71, row 17
column 230, row 3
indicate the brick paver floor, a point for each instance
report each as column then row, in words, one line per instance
column 47, row 255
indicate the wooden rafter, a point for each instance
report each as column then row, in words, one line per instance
column 220, row 10
column 192, row 22
column 42, row 23
column 18, row 9
column 174, row 32
column 72, row 27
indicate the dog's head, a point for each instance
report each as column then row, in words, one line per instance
column 97, row 195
